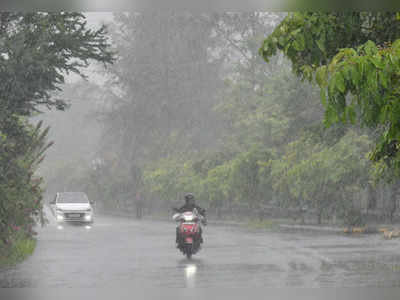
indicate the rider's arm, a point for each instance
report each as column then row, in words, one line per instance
column 201, row 211
column 181, row 209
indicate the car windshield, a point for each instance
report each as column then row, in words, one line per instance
column 73, row 198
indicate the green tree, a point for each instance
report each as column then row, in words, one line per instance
column 21, row 150
column 354, row 58
column 161, row 92
column 325, row 178
column 247, row 185
column 37, row 51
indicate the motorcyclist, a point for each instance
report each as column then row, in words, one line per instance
column 190, row 205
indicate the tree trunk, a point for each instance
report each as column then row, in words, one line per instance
column 393, row 200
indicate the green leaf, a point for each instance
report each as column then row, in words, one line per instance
column 376, row 61
column 396, row 44
column 282, row 41
column 323, row 97
column 307, row 72
column 383, row 79
column 321, row 76
column 339, row 82
column 351, row 114
column 299, row 43
column 321, row 45
column 355, row 75
column 370, row 48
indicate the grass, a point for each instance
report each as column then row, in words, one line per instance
column 21, row 249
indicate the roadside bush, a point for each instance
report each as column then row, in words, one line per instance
column 20, row 193
column 19, row 247
column 352, row 217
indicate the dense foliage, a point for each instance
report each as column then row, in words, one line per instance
column 21, row 150
column 354, row 57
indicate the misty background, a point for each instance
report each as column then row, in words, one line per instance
column 191, row 106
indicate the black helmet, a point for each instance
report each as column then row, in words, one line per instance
column 189, row 197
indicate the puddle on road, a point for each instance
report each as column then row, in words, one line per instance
column 190, row 275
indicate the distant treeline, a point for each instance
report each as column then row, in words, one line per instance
column 193, row 106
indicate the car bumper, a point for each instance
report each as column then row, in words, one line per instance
column 82, row 218
column 74, row 221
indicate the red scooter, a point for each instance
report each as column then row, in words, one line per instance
column 189, row 232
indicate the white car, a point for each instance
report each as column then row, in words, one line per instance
column 72, row 207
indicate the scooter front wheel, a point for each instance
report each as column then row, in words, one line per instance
column 189, row 251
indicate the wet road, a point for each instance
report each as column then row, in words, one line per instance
column 124, row 252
